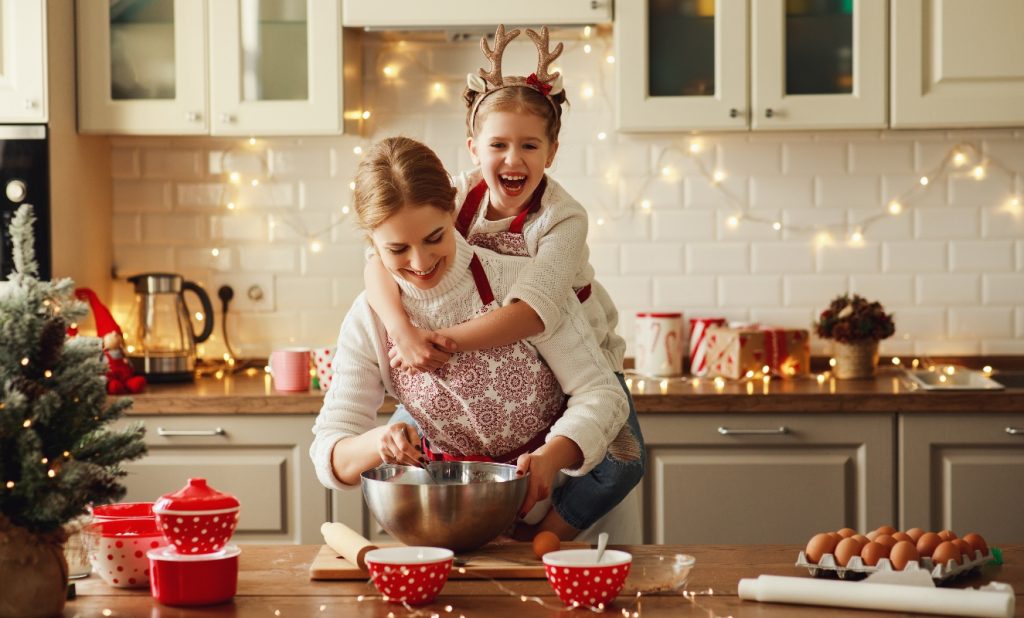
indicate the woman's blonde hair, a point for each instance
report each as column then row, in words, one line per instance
column 398, row 171
column 519, row 100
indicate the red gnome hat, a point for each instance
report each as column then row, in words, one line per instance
column 121, row 378
column 105, row 322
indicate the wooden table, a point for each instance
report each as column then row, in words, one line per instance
column 275, row 578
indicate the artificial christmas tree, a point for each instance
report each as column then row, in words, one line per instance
column 56, row 456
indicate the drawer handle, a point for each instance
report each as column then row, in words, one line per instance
column 219, row 431
column 778, row 431
column 1015, row 431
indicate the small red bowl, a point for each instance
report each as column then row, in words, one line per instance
column 205, row 579
column 123, row 510
column 117, row 550
column 412, row 575
column 580, row 581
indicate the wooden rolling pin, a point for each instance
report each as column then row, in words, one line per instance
column 349, row 544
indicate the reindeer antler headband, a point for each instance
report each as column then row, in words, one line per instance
column 486, row 82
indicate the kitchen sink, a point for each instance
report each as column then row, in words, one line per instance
column 1012, row 379
column 959, row 380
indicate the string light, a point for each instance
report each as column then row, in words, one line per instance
column 733, row 221
column 235, row 177
column 587, row 48
column 252, row 141
column 601, row 136
column 24, row 362
column 47, row 374
column 718, row 176
column 777, row 226
column 10, row 484
column 959, row 159
column 215, row 252
column 587, row 92
column 390, row 71
column 358, row 150
column 646, row 204
column 254, row 182
column 609, row 59
column 978, row 172
column 924, row 181
column 895, row 207
column 352, row 186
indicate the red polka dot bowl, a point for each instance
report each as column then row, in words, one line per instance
column 117, row 550
column 123, row 510
column 197, row 519
column 413, row 575
column 580, row 581
column 194, row 579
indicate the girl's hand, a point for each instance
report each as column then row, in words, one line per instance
column 418, row 349
column 400, row 444
column 542, row 475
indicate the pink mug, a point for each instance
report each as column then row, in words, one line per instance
column 290, row 369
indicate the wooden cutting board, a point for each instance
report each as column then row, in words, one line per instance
column 509, row 560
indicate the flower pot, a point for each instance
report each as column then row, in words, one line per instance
column 36, row 563
column 857, row 360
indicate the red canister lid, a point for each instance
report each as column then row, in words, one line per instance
column 194, row 497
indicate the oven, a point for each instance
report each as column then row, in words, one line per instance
column 25, row 179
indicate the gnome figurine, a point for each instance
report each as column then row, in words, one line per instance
column 121, row 378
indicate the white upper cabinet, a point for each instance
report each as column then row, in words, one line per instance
column 217, row 67
column 23, row 61
column 741, row 64
column 454, row 13
column 957, row 63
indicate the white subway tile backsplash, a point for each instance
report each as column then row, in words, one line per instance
column 1003, row 347
column 781, row 191
column 273, row 259
column 919, row 323
column 930, row 153
column 981, row 256
column 944, row 346
column 742, row 228
column 319, row 327
column 334, row 260
column 1003, row 289
column 782, row 258
column 944, row 223
column 652, row 259
column 1009, row 152
column 301, row 228
column 785, row 318
column 717, row 258
column 180, row 228
column 662, row 193
column 124, row 163
column 741, row 157
column 814, row 158
column 887, row 227
column 980, row 322
column 440, row 128
column 303, row 293
column 914, row 257
column 570, row 160
column 623, row 159
column 907, row 189
column 948, row 289
column 1019, row 312
column 815, row 291
column 881, row 158
column 1020, row 255
column 750, row 291
column 701, row 192
column 203, row 259
column 133, row 259
column 633, row 291
column 1002, row 223
column 890, row 290
column 860, row 192
column 990, row 193
column 141, row 196
column 171, row 164
column 344, row 291
column 683, row 225
column 606, row 259
column 127, row 228
column 685, row 292
column 238, row 227
column 324, row 195
column 808, row 222
column 850, row 259
column 204, row 194
column 311, row 161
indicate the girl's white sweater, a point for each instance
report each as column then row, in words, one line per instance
column 597, row 406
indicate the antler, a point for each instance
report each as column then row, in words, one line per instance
column 544, row 56
column 493, row 76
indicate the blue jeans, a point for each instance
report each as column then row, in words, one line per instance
column 582, row 500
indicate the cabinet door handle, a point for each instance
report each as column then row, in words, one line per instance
column 192, row 116
column 1015, row 431
column 778, row 431
column 217, row 431
column 733, row 112
column 227, row 118
column 769, row 112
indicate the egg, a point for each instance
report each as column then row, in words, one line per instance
column 544, row 542
column 873, row 552
column 947, row 535
column 966, row 551
column 886, row 529
column 915, row 534
column 871, row 536
column 945, row 552
column 846, row 549
column 885, row 539
column 819, row 545
column 902, row 553
column 902, row 536
column 978, row 543
column 863, row 539
column 927, row 543
column 846, row 532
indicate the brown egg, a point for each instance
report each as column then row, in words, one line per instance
column 927, row 543
column 915, row 534
column 544, row 542
column 947, row 535
column 945, row 552
column 872, row 535
column 846, row 549
column 873, row 552
column 835, row 536
column 902, row 553
column 819, row 545
column 863, row 539
column 902, row 536
column 886, row 529
column 966, row 551
column 977, row 542
column 885, row 539
column 846, row 532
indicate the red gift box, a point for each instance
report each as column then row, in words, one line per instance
column 735, row 351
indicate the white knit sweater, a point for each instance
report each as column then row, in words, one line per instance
column 597, row 407
column 556, row 238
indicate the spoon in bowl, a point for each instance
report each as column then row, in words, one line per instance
column 602, row 543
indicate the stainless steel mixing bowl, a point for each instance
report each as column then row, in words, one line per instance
column 458, row 505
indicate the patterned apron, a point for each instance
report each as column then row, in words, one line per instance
column 486, row 405
column 512, row 241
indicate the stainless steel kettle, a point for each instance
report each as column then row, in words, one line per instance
column 160, row 340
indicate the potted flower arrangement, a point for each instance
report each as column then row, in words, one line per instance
column 56, row 454
column 857, row 326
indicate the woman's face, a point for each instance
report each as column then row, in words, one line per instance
column 417, row 243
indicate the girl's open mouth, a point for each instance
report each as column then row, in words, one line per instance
column 512, row 184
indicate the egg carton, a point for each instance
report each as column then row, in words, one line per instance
column 856, row 569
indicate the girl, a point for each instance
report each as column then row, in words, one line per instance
column 506, row 403
column 509, row 205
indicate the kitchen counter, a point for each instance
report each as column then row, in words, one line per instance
column 274, row 580
column 890, row 392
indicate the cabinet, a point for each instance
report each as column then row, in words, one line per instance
column 765, row 478
column 218, row 67
column 23, row 61
column 739, row 64
column 454, row 13
column 956, row 63
column 263, row 460
column 963, row 472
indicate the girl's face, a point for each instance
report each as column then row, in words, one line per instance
column 512, row 150
column 417, row 244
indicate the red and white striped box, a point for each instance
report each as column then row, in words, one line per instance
column 699, row 343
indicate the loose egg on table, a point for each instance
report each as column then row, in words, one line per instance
column 545, row 542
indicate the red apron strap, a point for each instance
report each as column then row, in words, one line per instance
column 533, row 206
column 583, row 293
column 469, row 208
column 483, row 286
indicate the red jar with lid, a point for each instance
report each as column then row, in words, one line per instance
column 197, row 519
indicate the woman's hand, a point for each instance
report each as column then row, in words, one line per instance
column 543, row 464
column 400, row 444
column 418, row 349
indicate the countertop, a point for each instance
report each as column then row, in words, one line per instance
column 274, row 581
column 890, row 392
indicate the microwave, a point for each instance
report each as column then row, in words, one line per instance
column 25, row 179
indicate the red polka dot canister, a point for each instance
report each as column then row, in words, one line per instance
column 580, row 581
column 412, row 575
column 197, row 519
